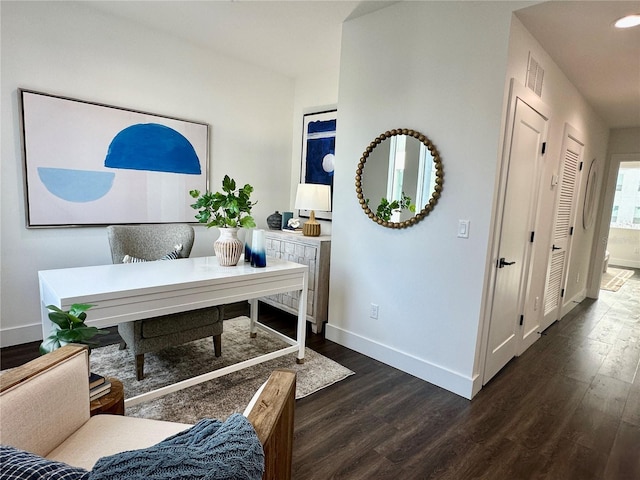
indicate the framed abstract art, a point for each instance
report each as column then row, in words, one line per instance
column 89, row 164
column 318, row 152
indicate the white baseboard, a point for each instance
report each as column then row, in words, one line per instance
column 20, row 335
column 623, row 262
column 437, row 375
column 573, row 302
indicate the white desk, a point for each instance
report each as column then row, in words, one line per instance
column 126, row 292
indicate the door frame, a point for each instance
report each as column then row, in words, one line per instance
column 605, row 198
column 516, row 90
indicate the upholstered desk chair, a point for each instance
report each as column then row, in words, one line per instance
column 131, row 243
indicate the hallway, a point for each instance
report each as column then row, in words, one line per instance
column 568, row 408
column 585, row 415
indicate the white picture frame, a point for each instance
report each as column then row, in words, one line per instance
column 89, row 164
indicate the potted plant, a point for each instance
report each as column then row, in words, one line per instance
column 69, row 327
column 228, row 210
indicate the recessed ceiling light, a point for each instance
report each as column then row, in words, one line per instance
column 628, row 21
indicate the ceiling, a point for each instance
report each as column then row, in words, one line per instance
column 298, row 38
column 601, row 61
column 291, row 37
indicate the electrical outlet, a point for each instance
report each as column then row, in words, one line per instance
column 578, row 278
column 374, row 311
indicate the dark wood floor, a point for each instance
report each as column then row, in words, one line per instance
column 569, row 408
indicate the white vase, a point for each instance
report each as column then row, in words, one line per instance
column 228, row 247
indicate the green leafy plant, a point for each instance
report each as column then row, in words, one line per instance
column 386, row 208
column 69, row 327
column 229, row 208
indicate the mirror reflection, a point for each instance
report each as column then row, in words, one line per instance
column 403, row 178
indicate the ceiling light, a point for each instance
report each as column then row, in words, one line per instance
column 628, row 21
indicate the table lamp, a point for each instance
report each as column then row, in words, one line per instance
column 311, row 196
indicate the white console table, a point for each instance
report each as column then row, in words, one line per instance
column 127, row 292
column 315, row 252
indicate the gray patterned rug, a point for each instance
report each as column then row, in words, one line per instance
column 216, row 398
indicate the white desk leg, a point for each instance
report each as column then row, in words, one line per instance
column 253, row 316
column 302, row 319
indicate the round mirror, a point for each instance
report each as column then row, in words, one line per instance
column 403, row 181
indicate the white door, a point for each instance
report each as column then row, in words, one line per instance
column 514, row 251
column 564, row 220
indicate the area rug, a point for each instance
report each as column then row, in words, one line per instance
column 220, row 397
column 614, row 278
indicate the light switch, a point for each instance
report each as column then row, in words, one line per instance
column 463, row 228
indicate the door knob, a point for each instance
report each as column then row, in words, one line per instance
column 502, row 263
column 555, row 248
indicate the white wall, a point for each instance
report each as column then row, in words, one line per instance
column 70, row 49
column 441, row 69
column 438, row 68
column 624, row 141
column 624, row 247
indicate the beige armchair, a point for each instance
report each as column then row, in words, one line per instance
column 149, row 243
column 44, row 409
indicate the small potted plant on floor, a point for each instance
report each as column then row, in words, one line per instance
column 69, row 327
column 228, row 210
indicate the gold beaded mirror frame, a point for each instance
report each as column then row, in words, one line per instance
column 400, row 159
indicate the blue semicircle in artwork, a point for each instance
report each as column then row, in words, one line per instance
column 153, row 147
column 78, row 186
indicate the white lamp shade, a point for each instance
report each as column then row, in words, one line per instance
column 311, row 196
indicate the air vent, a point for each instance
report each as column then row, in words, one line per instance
column 535, row 75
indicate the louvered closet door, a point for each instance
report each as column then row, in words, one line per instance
column 563, row 223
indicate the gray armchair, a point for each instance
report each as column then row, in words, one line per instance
column 149, row 243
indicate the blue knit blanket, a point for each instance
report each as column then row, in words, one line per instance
column 210, row 450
